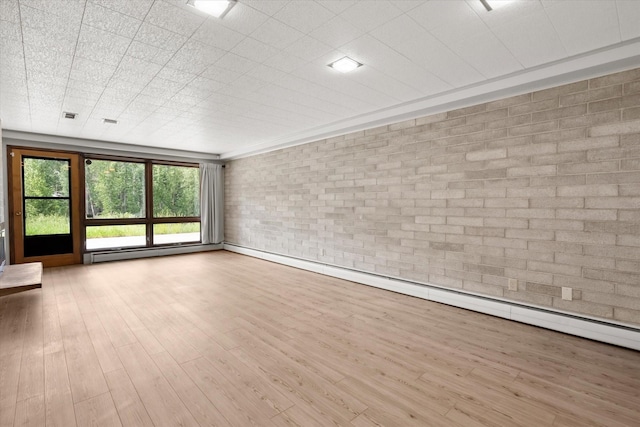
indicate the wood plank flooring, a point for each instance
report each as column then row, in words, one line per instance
column 220, row 339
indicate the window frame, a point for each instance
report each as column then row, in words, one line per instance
column 149, row 220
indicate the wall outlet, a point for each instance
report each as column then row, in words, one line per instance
column 567, row 293
column 513, row 284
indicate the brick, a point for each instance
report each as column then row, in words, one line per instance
column 586, row 237
column 559, row 135
column 615, row 129
column 626, row 315
column 559, row 113
column 617, row 227
column 587, row 190
column 499, row 153
column 556, row 224
column 426, row 200
column 589, row 120
column 589, row 143
column 532, row 149
column 613, row 79
column 631, row 114
column 530, row 213
column 631, row 87
column 614, row 178
column 533, row 128
column 555, row 159
column 586, row 307
column 538, row 288
column 467, row 110
column 629, row 290
column 590, row 167
column 629, row 190
column 584, row 261
column 612, row 202
column 532, row 171
column 630, row 164
column 557, row 202
column 611, row 299
column 561, row 90
column 628, row 241
column 587, row 214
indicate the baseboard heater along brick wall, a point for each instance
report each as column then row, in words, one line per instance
column 610, row 332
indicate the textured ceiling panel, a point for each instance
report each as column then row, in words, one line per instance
column 175, row 77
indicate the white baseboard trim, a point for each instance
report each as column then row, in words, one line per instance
column 610, row 332
column 104, row 256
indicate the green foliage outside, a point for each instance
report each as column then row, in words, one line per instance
column 114, row 189
column 176, row 191
column 42, row 224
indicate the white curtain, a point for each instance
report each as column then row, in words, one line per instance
column 212, row 203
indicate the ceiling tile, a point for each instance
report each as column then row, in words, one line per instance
column 585, row 26
column 244, row 19
column 456, row 15
column 284, row 62
column 58, row 29
column 71, row 10
column 10, row 31
column 214, row 34
column 136, row 70
column 159, row 37
column 254, row 50
column 101, row 46
column 265, row 73
column 176, row 76
column 276, row 34
column 195, row 57
column 172, row 18
column 337, row 6
column 398, row 30
column 304, row 16
column 220, row 74
column 370, row 15
column 629, row 16
column 267, row 7
column 137, row 9
column 238, row 64
column 149, row 53
column 487, row 54
column 108, row 20
column 532, row 39
column 337, row 32
column 308, row 48
column 9, row 11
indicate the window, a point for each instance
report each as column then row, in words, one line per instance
column 138, row 203
column 114, row 189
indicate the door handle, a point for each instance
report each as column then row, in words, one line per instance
column 18, row 213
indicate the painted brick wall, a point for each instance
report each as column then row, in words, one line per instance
column 542, row 187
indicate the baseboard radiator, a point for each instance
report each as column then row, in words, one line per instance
column 610, row 332
column 124, row 254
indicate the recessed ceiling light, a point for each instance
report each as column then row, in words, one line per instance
column 217, row 8
column 344, row 65
column 110, row 121
column 494, row 4
column 68, row 115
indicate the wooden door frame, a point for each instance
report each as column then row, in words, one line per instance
column 16, row 222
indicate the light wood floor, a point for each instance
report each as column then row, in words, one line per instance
column 226, row 340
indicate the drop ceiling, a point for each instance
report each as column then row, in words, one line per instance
column 175, row 78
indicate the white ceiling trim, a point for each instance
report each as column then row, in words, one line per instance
column 12, row 137
column 619, row 57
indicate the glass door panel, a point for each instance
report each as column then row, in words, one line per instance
column 45, row 207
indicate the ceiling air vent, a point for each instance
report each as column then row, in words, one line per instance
column 110, row 121
column 68, row 115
